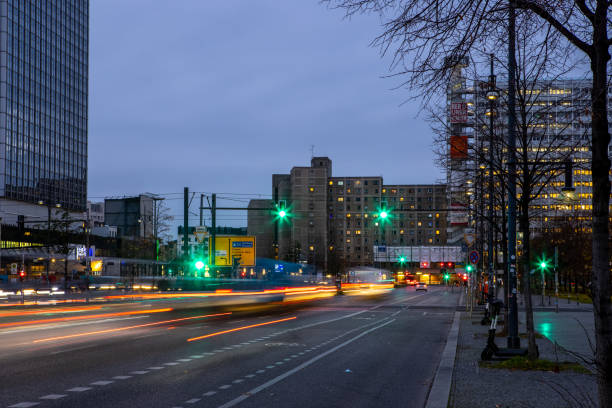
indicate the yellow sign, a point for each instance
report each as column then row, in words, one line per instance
column 230, row 247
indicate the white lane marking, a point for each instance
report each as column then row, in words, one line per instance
column 122, row 377
column 184, row 360
column 68, row 350
column 224, row 387
column 101, row 383
column 208, row 354
column 79, row 389
column 218, row 351
column 249, row 376
column 24, row 405
column 209, row 393
column 286, row 359
column 156, row 368
column 52, row 396
column 171, row 364
column 279, row 363
column 260, row 371
column 246, row 343
column 192, row 401
column 139, row 372
column 281, row 377
column 238, row 381
column 270, row 366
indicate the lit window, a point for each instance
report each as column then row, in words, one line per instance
column 311, row 189
column 331, row 183
column 311, row 248
column 348, row 232
column 340, row 199
column 402, row 232
column 358, row 232
column 384, row 190
column 430, row 240
column 348, row 215
column 341, row 183
column 419, row 224
column 401, row 198
column 437, row 232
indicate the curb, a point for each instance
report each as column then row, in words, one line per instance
column 440, row 389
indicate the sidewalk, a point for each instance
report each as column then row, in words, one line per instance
column 479, row 387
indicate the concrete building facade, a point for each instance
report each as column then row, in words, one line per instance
column 336, row 220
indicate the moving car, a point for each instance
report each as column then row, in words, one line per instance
column 421, row 286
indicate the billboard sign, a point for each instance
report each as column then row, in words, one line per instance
column 230, row 247
column 459, row 112
column 458, row 147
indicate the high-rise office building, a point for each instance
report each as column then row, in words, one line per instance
column 43, row 106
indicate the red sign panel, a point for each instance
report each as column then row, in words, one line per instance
column 459, row 112
column 458, row 147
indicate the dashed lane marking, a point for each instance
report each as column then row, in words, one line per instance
column 24, row 405
column 184, row 360
column 270, row 366
column 260, row 371
column 192, row 401
column 209, row 393
column 196, row 356
column 224, row 387
column 52, row 396
column 79, row 389
column 122, row 377
column 156, row 368
column 249, row 376
column 139, row 372
column 171, row 364
column 101, row 383
column 237, row 381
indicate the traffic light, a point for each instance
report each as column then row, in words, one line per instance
column 469, row 268
column 199, row 265
column 446, row 276
column 282, row 212
column 401, row 259
column 383, row 214
column 450, row 265
column 543, row 263
column 22, row 275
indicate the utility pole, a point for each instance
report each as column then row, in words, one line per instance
column 556, row 279
column 213, row 233
column 201, row 209
column 491, row 96
column 276, row 221
column 514, row 341
column 185, row 228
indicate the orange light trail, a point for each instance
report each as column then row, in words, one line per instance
column 128, row 327
column 44, row 311
column 239, row 328
column 95, row 316
column 220, row 292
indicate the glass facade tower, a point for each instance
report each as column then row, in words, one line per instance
column 43, row 101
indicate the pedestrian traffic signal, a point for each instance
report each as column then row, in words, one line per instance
column 22, row 274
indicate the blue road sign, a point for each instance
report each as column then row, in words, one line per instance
column 474, row 257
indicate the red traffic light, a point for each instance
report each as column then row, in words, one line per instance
column 450, row 264
column 465, row 277
column 22, row 274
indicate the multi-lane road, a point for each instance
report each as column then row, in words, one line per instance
column 357, row 350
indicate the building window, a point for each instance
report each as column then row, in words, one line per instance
column 348, row 232
column 331, row 183
column 311, row 189
column 341, row 183
column 358, row 232
column 437, row 232
column 340, row 199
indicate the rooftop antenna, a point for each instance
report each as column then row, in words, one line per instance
column 312, row 151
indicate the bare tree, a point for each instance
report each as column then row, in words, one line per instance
column 421, row 33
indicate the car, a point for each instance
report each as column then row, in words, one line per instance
column 421, row 286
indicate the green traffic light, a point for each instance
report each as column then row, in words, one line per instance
column 199, row 265
column 383, row 214
column 282, row 213
column 402, row 259
column 447, row 276
column 468, row 268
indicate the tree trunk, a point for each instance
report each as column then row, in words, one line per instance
column 601, row 200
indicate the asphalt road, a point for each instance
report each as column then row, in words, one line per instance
column 354, row 351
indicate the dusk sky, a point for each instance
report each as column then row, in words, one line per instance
column 218, row 95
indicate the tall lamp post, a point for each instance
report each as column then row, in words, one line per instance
column 514, row 341
column 492, row 95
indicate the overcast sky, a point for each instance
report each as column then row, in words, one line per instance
column 218, row 95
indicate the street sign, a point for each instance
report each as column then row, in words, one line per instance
column 201, row 234
column 13, row 268
column 228, row 247
column 474, row 257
